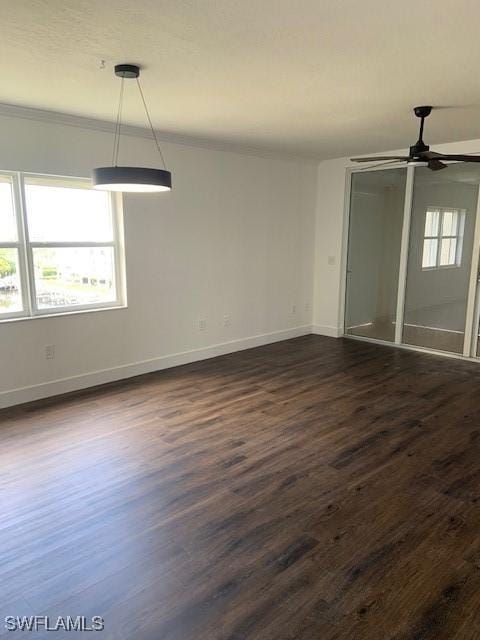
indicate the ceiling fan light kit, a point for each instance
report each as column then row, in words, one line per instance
column 419, row 153
column 126, row 178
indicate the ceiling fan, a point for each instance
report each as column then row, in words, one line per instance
column 420, row 154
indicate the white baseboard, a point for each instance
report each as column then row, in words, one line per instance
column 325, row 330
column 82, row 381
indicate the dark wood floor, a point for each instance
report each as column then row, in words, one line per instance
column 316, row 489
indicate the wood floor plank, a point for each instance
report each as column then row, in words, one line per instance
column 314, row 488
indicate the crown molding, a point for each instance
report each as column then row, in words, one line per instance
column 57, row 117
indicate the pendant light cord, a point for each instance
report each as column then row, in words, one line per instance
column 151, row 125
column 118, row 126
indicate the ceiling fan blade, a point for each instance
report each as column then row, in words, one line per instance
column 458, row 158
column 378, row 158
column 435, row 165
column 429, row 155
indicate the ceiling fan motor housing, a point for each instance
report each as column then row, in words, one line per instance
column 417, row 148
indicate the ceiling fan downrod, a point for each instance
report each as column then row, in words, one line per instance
column 420, row 146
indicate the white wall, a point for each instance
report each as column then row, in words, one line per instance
column 329, row 236
column 235, row 236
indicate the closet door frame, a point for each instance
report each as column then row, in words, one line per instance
column 472, row 318
column 350, row 171
column 404, row 247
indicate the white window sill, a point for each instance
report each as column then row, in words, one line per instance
column 45, row 316
column 441, row 267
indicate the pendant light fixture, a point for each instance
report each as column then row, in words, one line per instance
column 140, row 179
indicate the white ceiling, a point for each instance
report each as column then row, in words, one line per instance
column 317, row 78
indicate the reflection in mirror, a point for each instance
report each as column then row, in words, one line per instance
column 375, row 231
column 439, row 259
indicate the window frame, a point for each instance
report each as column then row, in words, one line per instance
column 25, row 249
column 458, row 237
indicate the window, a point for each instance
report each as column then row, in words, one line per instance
column 59, row 246
column 443, row 237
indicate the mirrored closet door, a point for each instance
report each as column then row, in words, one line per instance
column 412, row 260
column 376, row 214
column 442, row 227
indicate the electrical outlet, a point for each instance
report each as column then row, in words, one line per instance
column 202, row 324
column 294, row 309
column 227, row 321
column 50, row 352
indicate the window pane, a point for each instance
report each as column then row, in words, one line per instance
column 429, row 258
column 448, row 249
column 69, row 277
column 449, row 223
column 10, row 294
column 8, row 227
column 67, row 214
column 431, row 223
